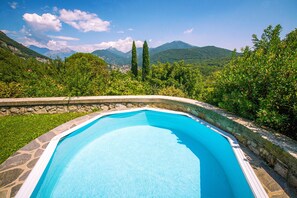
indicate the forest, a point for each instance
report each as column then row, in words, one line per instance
column 260, row 84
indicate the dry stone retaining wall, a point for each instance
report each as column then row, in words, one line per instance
column 278, row 151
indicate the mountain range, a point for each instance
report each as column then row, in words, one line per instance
column 169, row 52
column 62, row 53
column 19, row 49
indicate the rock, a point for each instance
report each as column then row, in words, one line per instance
column 4, row 113
column 31, row 146
column 38, row 153
column 32, row 163
column 14, row 110
column 45, row 145
column 36, row 108
column 292, row 179
column 24, row 176
column 281, row 169
column 15, row 189
column 254, row 149
column 15, row 161
column 30, row 109
column 46, row 137
column 23, row 110
column 253, row 144
column 129, row 105
column 72, row 108
column 41, row 111
column 61, row 109
column 9, row 176
column 120, row 107
column 104, row 108
column 48, row 108
column 270, row 159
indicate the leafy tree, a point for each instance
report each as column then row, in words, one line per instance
column 10, row 90
column 171, row 91
column 134, row 68
column 123, row 84
column 178, row 75
column 85, row 74
column 261, row 84
column 145, row 61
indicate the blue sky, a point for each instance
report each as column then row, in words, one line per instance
column 97, row 24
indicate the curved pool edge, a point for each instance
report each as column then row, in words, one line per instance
column 28, row 186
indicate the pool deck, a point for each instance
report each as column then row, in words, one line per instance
column 15, row 170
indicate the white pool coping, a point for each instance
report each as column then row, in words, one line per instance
column 32, row 180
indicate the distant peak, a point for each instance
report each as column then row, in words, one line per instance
column 179, row 42
column 113, row 49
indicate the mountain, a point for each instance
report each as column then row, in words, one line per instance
column 170, row 52
column 138, row 51
column 192, row 55
column 161, row 48
column 117, row 52
column 113, row 57
column 62, row 53
column 169, row 46
column 18, row 49
column 38, row 49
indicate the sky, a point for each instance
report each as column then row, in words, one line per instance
column 89, row 25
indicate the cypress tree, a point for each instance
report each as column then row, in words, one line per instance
column 145, row 61
column 134, row 60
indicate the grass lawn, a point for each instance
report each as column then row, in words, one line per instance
column 17, row 131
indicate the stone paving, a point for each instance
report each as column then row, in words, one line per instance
column 274, row 185
column 16, row 168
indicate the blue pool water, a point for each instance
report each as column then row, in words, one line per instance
column 143, row 154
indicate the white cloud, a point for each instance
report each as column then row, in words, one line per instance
column 84, row 21
column 56, row 45
column 120, row 32
column 51, row 44
column 123, row 45
column 130, row 29
column 188, row 31
column 45, row 22
column 30, row 41
column 65, row 38
column 13, row 5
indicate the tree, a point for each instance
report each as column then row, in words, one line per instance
column 185, row 77
column 261, row 83
column 171, row 91
column 145, row 62
column 134, row 60
column 85, row 74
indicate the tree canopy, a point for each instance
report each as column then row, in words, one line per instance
column 261, row 84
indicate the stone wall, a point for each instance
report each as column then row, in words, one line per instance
column 278, row 151
column 53, row 109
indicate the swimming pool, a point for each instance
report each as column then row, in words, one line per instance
column 143, row 152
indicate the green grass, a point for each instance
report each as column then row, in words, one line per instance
column 17, row 131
